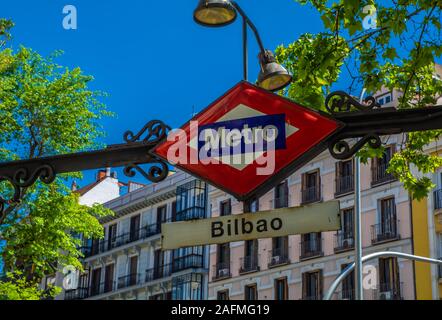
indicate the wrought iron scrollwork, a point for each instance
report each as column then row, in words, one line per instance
column 23, row 178
column 158, row 171
column 341, row 150
column 339, row 101
column 156, row 131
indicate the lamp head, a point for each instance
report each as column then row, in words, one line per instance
column 273, row 76
column 215, row 13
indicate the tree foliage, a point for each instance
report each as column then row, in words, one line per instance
column 45, row 109
column 399, row 53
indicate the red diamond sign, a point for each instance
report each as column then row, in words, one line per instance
column 248, row 141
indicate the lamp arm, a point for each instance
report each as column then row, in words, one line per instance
column 251, row 25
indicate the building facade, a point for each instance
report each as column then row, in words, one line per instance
column 304, row 266
column 129, row 263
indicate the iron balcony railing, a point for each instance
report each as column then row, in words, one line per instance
column 388, row 291
column 249, row 264
column 278, row 256
column 311, row 194
column 379, row 174
column 281, row 202
column 385, row 231
column 344, row 184
column 129, row 280
column 102, row 246
column 192, row 213
column 77, row 294
column 438, row 199
column 311, row 248
column 158, row 272
column 348, row 294
column 344, row 241
column 312, row 297
column 188, row 262
column 103, row 287
column 221, row 271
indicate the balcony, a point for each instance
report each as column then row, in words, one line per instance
column 379, row 175
column 344, row 185
column 311, row 195
column 221, row 271
column 249, row 264
column 386, row 231
column 103, row 287
column 278, row 257
column 438, row 199
column 387, row 291
column 129, row 281
column 192, row 213
column 348, row 294
column 282, row 202
column 344, row 241
column 121, row 240
column 311, row 249
column 188, row 262
column 158, row 273
column 77, row 294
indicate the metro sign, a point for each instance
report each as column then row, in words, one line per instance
column 248, row 141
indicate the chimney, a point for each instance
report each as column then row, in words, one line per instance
column 74, row 186
column 101, row 175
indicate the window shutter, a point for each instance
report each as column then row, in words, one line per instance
column 320, row 284
column 318, row 183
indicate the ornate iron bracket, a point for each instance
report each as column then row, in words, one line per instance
column 135, row 152
column 339, row 101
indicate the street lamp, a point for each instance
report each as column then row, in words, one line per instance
column 218, row 13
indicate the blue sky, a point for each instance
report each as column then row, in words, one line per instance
column 150, row 56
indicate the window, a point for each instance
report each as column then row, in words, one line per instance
column 222, row 268
column 250, row 260
column 344, row 177
column 252, row 206
column 389, row 281
column 225, row 208
column 281, row 195
column 191, row 201
column 280, row 252
column 311, row 245
column 311, row 187
column 95, row 283
column 188, row 287
column 158, row 264
column 111, row 236
column 135, row 228
column 161, row 216
column 251, row 292
column 348, row 285
column 388, row 99
column 222, row 295
column 281, row 289
column 174, row 205
column 379, row 167
column 381, row 101
column 387, row 228
column 312, row 285
column 109, row 278
column 133, row 270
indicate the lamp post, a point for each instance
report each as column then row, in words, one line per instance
column 219, row 13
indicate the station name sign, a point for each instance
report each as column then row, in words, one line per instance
column 265, row 224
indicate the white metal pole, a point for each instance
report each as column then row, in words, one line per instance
column 358, row 225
